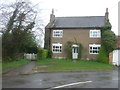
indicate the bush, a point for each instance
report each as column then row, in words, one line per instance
column 32, row 50
column 68, row 49
column 103, row 57
column 42, row 53
column 109, row 41
column 49, row 54
column 9, row 59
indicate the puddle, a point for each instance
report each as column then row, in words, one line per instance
column 20, row 82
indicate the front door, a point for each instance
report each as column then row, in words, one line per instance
column 75, row 52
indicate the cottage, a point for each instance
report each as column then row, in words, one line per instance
column 85, row 30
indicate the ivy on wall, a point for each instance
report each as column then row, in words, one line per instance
column 108, row 40
column 107, row 26
column 68, row 49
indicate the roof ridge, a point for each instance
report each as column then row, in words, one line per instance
column 78, row 16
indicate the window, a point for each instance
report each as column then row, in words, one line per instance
column 94, row 48
column 57, row 33
column 95, row 33
column 57, row 48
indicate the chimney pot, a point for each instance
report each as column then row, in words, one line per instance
column 53, row 11
column 106, row 9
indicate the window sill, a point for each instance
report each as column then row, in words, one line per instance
column 57, row 37
column 93, row 53
column 56, row 52
column 95, row 37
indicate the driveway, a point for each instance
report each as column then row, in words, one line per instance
column 83, row 79
column 20, row 70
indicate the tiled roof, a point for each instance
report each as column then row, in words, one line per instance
column 79, row 22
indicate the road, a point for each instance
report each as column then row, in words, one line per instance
column 83, row 79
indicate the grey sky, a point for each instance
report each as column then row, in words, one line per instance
column 78, row 8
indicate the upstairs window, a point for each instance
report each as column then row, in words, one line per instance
column 57, row 48
column 94, row 48
column 95, row 33
column 57, row 33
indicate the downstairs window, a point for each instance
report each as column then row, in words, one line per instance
column 94, row 48
column 56, row 48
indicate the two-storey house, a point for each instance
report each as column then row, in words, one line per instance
column 86, row 30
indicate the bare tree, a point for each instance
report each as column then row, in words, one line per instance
column 21, row 13
column 17, row 23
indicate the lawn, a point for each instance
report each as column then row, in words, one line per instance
column 0, row 64
column 63, row 65
column 14, row 64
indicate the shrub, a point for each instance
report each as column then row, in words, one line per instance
column 108, row 41
column 9, row 59
column 42, row 53
column 49, row 54
column 103, row 57
column 68, row 49
column 32, row 50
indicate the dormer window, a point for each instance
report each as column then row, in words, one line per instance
column 57, row 33
column 95, row 33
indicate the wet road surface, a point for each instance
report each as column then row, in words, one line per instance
column 83, row 79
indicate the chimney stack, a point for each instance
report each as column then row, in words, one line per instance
column 106, row 16
column 52, row 16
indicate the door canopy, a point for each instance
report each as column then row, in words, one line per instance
column 74, row 45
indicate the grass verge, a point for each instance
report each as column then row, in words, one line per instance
column 14, row 64
column 63, row 65
column 0, row 64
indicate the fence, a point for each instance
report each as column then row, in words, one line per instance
column 30, row 56
column 114, row 58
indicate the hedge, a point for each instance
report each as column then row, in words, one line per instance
column 42, row 53
column 103, row 57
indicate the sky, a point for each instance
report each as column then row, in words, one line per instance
column 81, row 8
column 78, row 8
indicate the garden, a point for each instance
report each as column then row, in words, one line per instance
column 44, row 63
column 68, row 65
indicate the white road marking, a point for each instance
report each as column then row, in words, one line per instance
column 71, row 84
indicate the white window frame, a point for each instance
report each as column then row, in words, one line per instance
column 93, row 48
column 57, row 33
column 95, row 33
column 57, row 48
